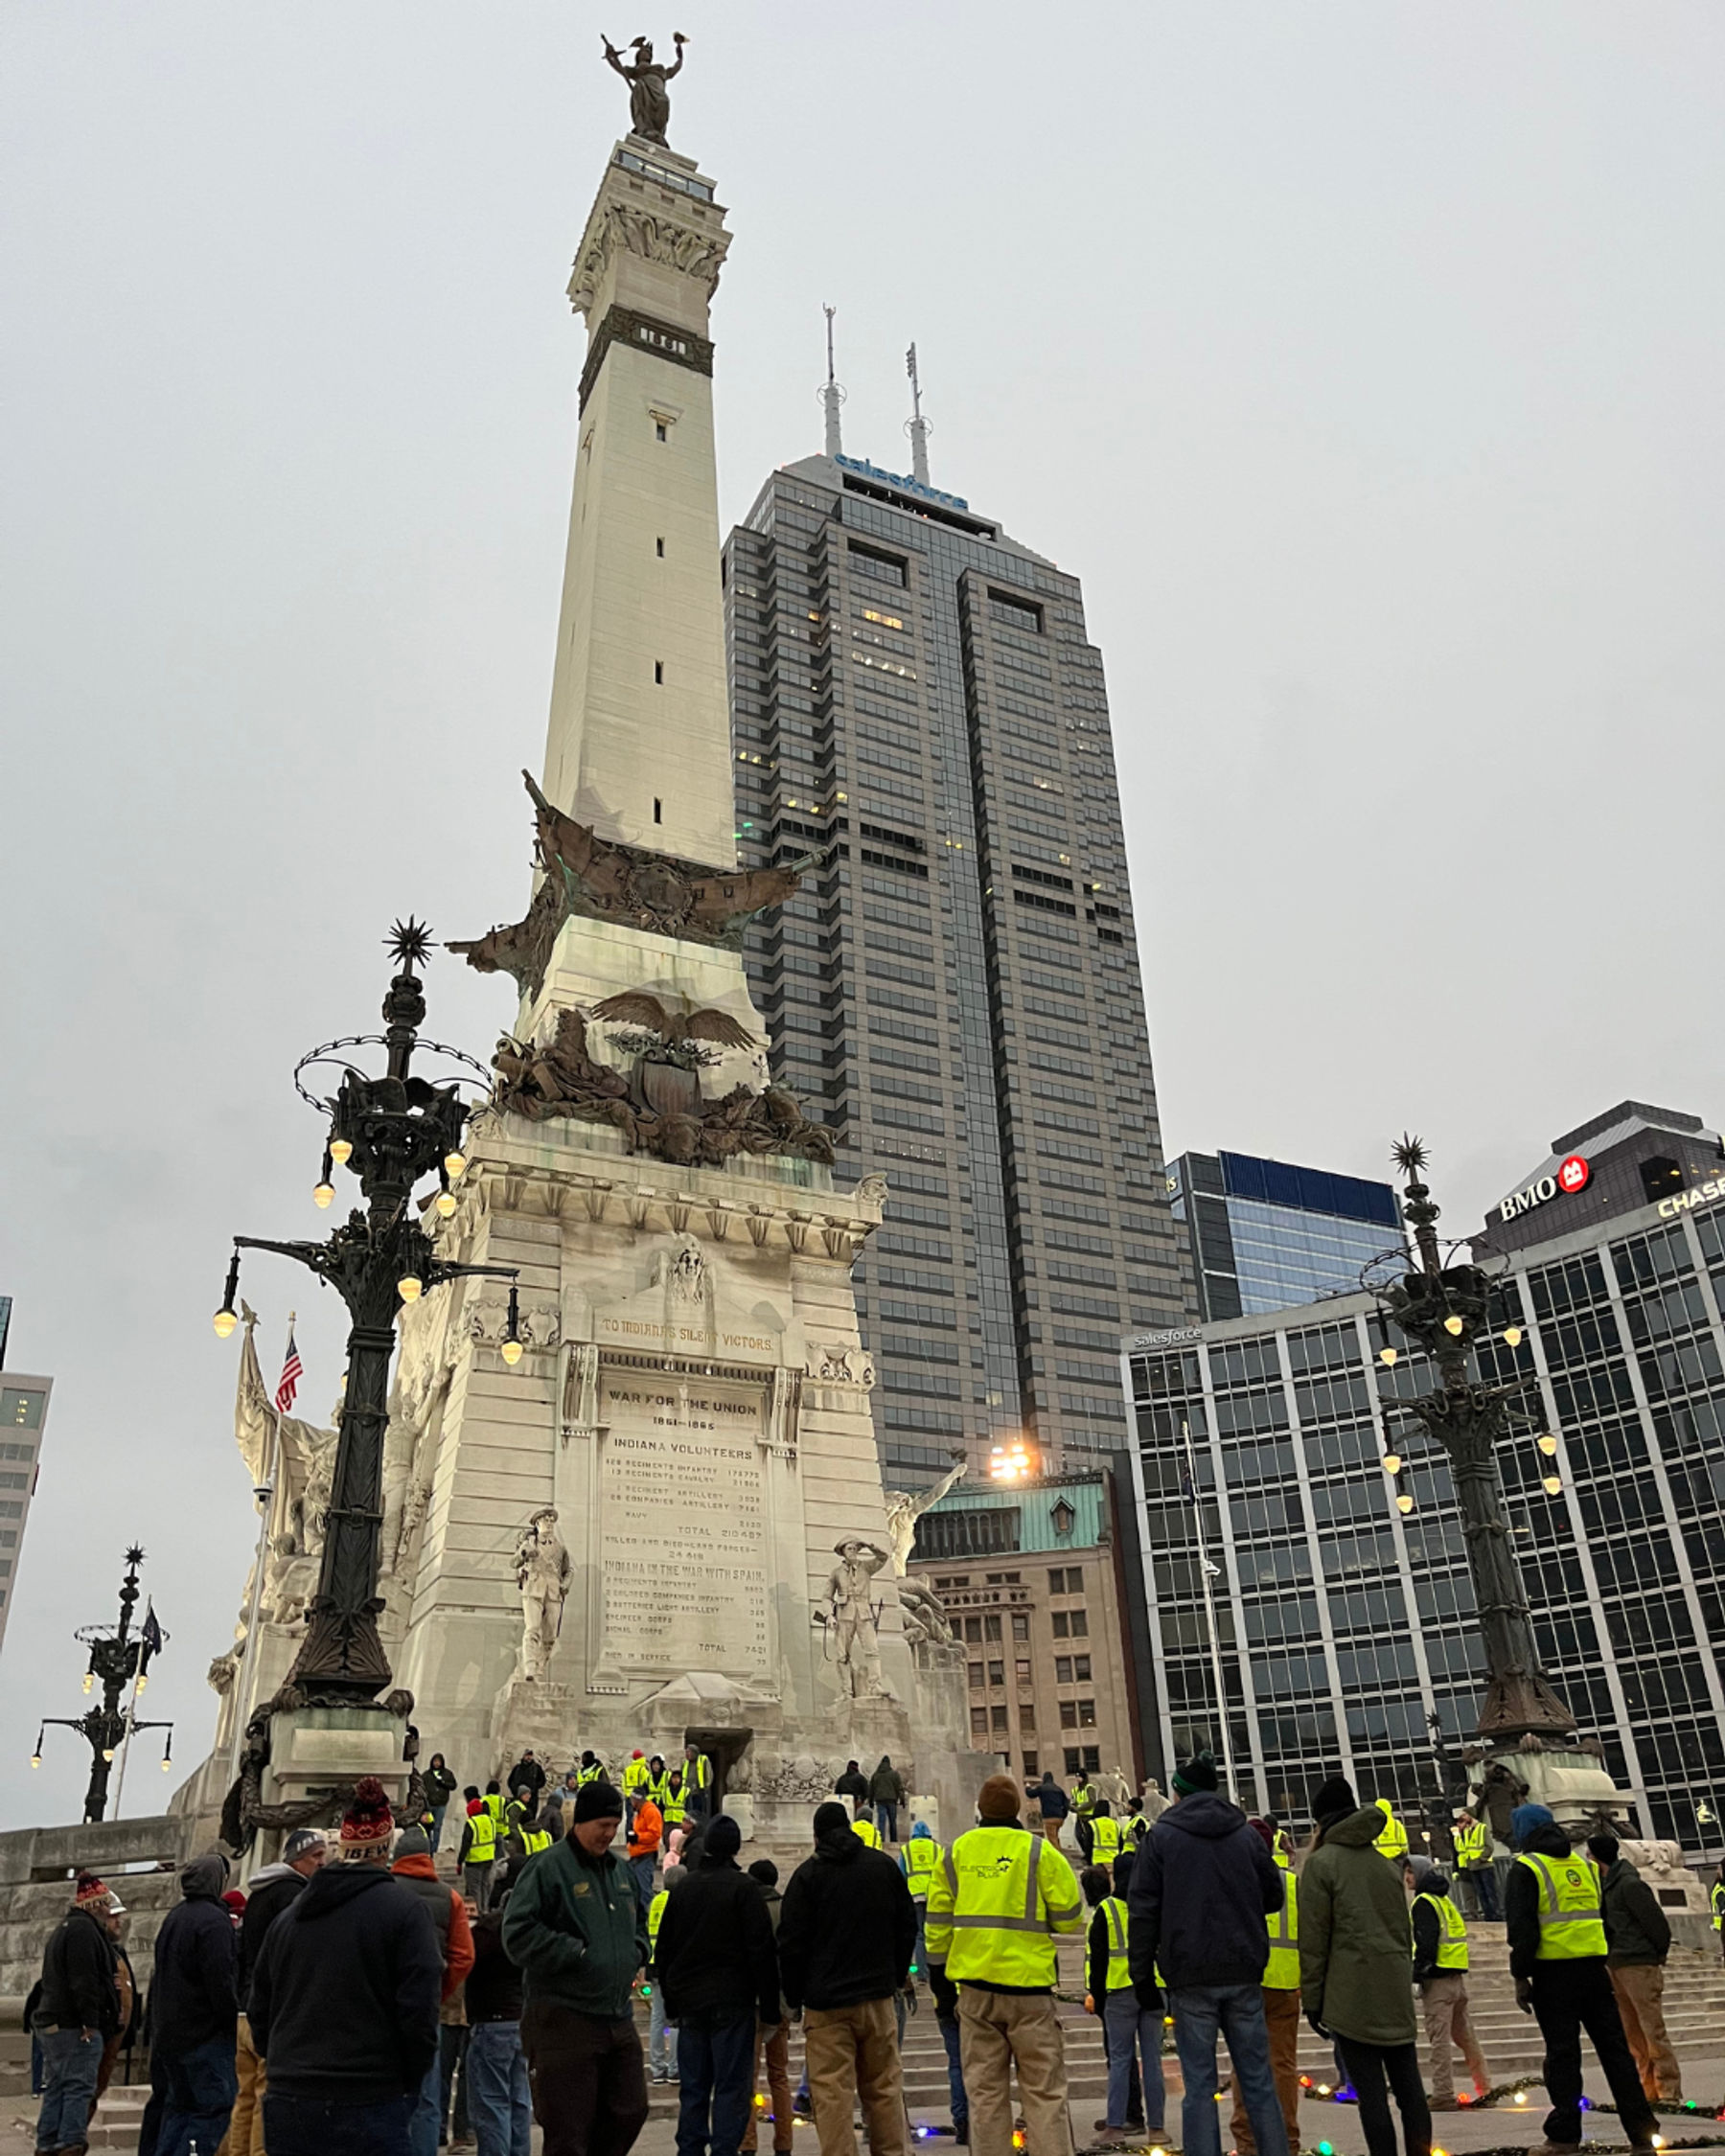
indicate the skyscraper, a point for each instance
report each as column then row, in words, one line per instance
column 23, row 1415
column 1265, row 1233
column 957, row 990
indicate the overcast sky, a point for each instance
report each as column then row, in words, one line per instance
column 1363, row 360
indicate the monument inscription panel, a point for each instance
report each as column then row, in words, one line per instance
column 682, row 1523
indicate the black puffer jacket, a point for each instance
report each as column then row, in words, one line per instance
column 1202, row 1888
column 847, row 1930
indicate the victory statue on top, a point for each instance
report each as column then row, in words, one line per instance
column 648, row 100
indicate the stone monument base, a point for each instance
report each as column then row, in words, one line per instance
column 531, row 1714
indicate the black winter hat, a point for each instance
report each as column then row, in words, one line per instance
column 829, row 1818
column 597, row 1800
column 1333, row 1797
column 724, row 1837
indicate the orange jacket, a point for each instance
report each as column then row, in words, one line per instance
column 648, row 1830
column 461, row 1933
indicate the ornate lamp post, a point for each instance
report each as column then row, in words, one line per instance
column 1444, row 1309
column 391, row 1132
column 119, row 1657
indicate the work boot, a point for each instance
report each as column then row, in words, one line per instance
column 1444, row 2103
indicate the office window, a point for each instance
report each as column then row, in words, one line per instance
column 996, row 1672
column 662, row 432
column 20, row 1409
column 979, row 1721
column 1023, row 1667
column 1020, row 1624
column 1093, row 1759
column 1031, row 1767
column 1080, row 1625
column 1087, row 1713
column 1075, row 1759
column 1068, row 1715
column 972, row 1628
column 997, row 1719
column 1027, row 1717
column 991, row 1628
column 1062, row 1630
column 1063, row 1669
column 1081, row 1668
column 976, row 1676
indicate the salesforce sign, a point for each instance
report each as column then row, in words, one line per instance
column 1573, row 1175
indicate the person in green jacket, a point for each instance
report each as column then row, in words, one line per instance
column 575, row 1928
column 1353, row 1966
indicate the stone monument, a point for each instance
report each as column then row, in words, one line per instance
column 653, row 1513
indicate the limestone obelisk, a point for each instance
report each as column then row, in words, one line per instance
column 659, row 1515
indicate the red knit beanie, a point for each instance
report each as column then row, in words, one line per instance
column 92, row 1896
column 368, row 1819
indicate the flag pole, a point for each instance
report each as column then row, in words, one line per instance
column 131, row 1712
column 244, row 1669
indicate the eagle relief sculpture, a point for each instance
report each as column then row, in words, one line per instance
column 657, row 1104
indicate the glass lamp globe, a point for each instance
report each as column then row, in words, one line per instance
column 512, row 1352
column 1388, row 1357
column 1404, row 1503
column 224, row 1322
column 1452, row 1324
column 1393, row 1463
column 341, row 1151
column 411, row 1288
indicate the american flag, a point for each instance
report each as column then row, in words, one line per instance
column 292, row 1370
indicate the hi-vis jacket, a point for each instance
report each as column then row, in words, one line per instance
column 996, row 1902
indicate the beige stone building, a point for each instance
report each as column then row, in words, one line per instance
column 1030, row 1576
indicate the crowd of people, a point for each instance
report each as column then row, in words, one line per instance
column 365, row 2007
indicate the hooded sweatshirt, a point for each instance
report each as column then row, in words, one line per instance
column 1201, row 1886
column 847, row 1930
column 274, row 1888
column 714, row 1950
column 1355, row 1934
column 194, row 1994
column 448, row 1917
column 344, row 1995
column 1638, row 1931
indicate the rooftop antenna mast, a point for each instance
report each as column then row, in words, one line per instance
column 916, row 427
column 832, row 395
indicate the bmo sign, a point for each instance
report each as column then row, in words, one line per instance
column 1571, row 1175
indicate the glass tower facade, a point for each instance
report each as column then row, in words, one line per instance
column 956, row 989
column 1265, row 1233
column 1340, row 1625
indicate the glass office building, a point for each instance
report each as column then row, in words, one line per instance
column 23, row 1417
column 1338, row 1625
column 1265, row 1233
column 956, row 989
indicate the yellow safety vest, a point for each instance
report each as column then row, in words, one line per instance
column 1452, row 1946
column 1105, row 1839
column 655, row 1908
column 1137, row 1829
column 996, row 1902
column 1281, row 1972
column 1084, row 1797
column 675, row 1808
column 1718, row 1906
column 635, row 1777
column 1392, row 1842
column 697, row 1773
column 482, row 1843
column 1470, row 1846
column 1119, row 1969
column 1572, row 1926
column 865, row 1830
column 921, row 1854
column 533, row 1843
column 595, row 1772
column 493, row 1804
column 659, row 1787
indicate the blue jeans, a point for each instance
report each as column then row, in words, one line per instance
column 1483, row 1882
column 435, row 1829
column 662, row 2038
column 499, row 2104
column 200, row 2087
column 305, row 2126
column 949, row 2036
column 886, row 1820
column 643, row 1867
column 424, row 2111
column 1236, row 2011
column 70, row 2060
column 716, row 2060
column 919, row 1960
column 1131, row 2031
